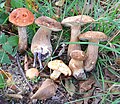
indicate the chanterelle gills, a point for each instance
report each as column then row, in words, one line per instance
column 41, row 46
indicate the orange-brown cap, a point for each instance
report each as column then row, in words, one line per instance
column 48, row 23
column 21, row 17
column 76, row 20
column 93, row 35
column 78, row 55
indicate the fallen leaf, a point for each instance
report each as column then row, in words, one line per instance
column 87, row 95
column 32, row 4
column 8, row 79
column 46, row 90
column 60, row 3
column 97, row 92
column 115, row 88
column 117, row 60
column 69, row 87
column 6, row 74
column 86, row 85
column 17, row 96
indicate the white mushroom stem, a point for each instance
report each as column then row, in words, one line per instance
column 22, row 45
column 92, row 53
column 75, row 30
column 77, row 69
column 41, row 45
column 55, row 75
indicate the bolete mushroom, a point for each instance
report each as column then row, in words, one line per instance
column 41, row 44
column 32, row 73
column 59, row 67
column 21, row 17
column 92, row 50
column 75, row 23
column 76, row 64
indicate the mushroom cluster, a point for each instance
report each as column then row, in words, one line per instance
column 41, row 47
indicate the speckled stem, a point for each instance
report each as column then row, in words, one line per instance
column 41, row 45
column 22, row 45
column 92, row 53
column 75, row 31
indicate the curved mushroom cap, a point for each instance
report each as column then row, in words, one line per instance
column 48, row 23
column 60, row 66
column 78, row 55
column 21, row 17
column 76, row 20
column 93, row 35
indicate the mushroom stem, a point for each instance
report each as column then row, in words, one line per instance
column 77, row 69
column 92, row 53
column 75, row 30
column 22, row 45
column 39, row 59
column 55, row 74
column 41, row 45
column 34, row 62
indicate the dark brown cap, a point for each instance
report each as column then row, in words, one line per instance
column 76, row 20
column 78, row 55
column 93, row 35
column 21, row 17
column 48, row 23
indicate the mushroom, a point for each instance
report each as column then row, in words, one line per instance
column 21, row 17
column 75, row 23
column 41, row 44
column 92, row 50
column 76, row 64
column 59, row 67
column 32, row 73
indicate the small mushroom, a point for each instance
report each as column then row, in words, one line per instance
column 75, row 23
column 76, row 64
column 21, row 17
column 59, row 67
column 92, row 50
column 32, row 73
column 41, row 44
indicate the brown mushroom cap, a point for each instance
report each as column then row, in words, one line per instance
column 76, row 20
column 78, row 55
column 48, row 23
column 93, row 35
column 21, row 17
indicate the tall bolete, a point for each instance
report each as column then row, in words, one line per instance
column 21, row 17
column 41, row 44
column 59, row 67
column 76, row 64
column 92, row 50
column 75, row 23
